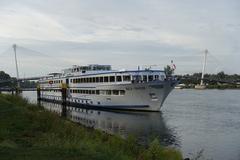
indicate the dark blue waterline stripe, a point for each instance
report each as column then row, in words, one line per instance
column 99, row 107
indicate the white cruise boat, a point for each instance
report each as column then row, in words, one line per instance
column 101, row 87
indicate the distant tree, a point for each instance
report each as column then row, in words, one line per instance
column 221, row 75
column 4, row 76
column 197, row 75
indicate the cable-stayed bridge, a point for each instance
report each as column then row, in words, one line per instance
column 19, row 79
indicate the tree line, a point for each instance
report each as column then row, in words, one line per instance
column 211, row 79
column 7, row 81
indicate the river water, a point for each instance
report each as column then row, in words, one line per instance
column 194, row 121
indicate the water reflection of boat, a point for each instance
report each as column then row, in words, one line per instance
column 144, row 125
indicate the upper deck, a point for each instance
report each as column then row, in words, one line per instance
column 89, row 69
column 104, row 74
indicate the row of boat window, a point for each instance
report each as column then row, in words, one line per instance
column 101, row 92
column 52, row 82
column 101, row 79
column 98, row 92
column 52, row 90
column 124, row 78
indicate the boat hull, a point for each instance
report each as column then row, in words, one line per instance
column 138, row 96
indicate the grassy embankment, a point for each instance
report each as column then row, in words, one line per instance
column 29, row 132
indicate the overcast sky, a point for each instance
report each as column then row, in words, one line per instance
column 123, row 33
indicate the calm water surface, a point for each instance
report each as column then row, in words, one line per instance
column 191, row 120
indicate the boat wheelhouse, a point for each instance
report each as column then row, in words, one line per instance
column 101, row 87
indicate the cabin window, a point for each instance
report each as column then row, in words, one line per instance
column 145, row 78
column 122, row 92
column 126, row 78
column 87, row 92
column 93, row 91
column 97, row 79
column 108, row 92
column 91, row 79
column 156, row 77
column 115, row 92
column 150, row 78
column 119, row 78
column 94, row 79
column 136, row 77
column 112, row 78
column 105, row 79
column 101, row 79
column 97, row 92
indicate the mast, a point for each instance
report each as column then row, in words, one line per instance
column 15, row 54
column 204, row 66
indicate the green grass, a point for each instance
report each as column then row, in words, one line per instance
column 30, row 132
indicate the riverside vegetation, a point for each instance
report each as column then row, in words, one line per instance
column 28, row 131
column 214, row 81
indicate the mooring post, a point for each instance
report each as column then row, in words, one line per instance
column 17, row 91
column 38, row 93
column 12, row 90
column 64, row 100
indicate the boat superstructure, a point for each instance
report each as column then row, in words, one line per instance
column 101, row 87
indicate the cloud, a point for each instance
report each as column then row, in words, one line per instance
column 26, row 23
column 122, row 33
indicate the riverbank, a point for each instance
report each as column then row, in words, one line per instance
column 30, row 132
column 223, row 86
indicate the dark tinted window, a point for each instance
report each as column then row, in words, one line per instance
column 119, row 78
column 112, row 78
